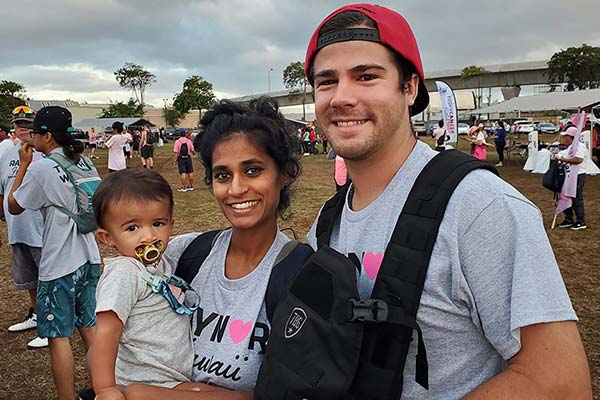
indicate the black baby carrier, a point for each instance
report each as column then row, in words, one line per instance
column 327, row 343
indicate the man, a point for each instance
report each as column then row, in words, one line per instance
column 183, row 150
column 25, row 230
column 496, row 320
column 578, row 157
column 147, row 147
column 115, row 144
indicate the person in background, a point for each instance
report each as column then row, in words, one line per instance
column 439, row 136
column 183, row 150
column 500, row 142
column 574, row 215
column 115, row 144
column 93, row 144
column 24, row 230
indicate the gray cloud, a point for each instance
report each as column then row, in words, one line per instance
column 71, row 48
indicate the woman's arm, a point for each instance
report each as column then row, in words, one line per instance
column 185, row 391
column 102, row 355
column 25, row 157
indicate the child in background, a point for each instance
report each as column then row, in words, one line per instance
column 143, row 331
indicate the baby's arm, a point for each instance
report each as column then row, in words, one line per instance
column 102, row 356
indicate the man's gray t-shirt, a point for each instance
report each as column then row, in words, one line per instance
column 64, row 249
column 231, row 328
column 27, row 227
column 492, row 272
column 156, row 344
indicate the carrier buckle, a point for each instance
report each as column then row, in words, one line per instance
column 372, row 310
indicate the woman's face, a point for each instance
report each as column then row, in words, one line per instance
column 246, row 183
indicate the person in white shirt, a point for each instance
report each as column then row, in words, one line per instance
column 116, row 156
column 577, row 207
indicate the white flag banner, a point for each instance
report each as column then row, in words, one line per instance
column 449, row 110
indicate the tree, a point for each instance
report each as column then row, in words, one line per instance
column 196, row 94
column 473, row 71
column 578, row 67
column 295, row 80
column 171, row 116
column 131, row 109
column 135, row 78
column 12, row 94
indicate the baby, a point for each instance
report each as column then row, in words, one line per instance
column 143, row 332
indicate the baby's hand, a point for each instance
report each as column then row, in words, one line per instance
column 111, row 393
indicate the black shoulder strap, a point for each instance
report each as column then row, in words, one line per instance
column 406, row 259
column 194, row 255
column 288, row 263
column 330, row 213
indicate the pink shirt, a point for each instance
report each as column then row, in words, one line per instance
column 177, row 146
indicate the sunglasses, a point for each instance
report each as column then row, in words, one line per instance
column 22, row 110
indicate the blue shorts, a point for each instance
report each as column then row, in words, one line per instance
column 67, row 302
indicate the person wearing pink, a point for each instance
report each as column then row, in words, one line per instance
column 478, row 139
column 93, row 143
column 116, row 157
column 183, row 150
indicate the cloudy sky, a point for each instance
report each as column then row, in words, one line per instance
column 69, row 49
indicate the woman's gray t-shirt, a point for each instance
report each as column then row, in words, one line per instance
column 231, row 328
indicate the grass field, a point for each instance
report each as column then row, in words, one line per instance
column 26, row 374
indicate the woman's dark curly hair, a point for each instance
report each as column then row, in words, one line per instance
column 262, row 123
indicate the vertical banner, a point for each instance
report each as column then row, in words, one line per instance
column 569, row 189
column 449, row 110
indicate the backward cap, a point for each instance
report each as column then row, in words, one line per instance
column 394, row 32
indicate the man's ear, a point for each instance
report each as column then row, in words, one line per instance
column 412, row 89
column 104, row 236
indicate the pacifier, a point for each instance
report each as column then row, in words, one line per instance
column 149, row 253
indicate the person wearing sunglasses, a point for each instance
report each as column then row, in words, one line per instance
column 24, row 230
column 143, row 331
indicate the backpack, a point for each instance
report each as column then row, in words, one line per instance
column 151, row 137
column 328, row 344
column 183, row 151
column 287, row 264
column 85, row 180
column 554, row 178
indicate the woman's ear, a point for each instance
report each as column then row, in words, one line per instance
column 104, row 236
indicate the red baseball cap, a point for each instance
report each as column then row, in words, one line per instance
column 392, row 31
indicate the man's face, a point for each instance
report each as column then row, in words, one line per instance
column 568, row 140
column 358, row 100
column 22, row 133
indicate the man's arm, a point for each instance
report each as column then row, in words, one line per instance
column 102, row 355
column 550, row 365
column 573, row 160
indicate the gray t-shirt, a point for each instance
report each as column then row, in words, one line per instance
column 231, row 328
column 492, row 272
column 156, row 343
column 64, row 249
column 27, row 227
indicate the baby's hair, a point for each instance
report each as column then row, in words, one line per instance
column 133, row 184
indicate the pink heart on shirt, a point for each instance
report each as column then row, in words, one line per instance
column 239, row 330
column 372, row 263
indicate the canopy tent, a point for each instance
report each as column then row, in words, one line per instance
column 564, row 101
column 99, row 124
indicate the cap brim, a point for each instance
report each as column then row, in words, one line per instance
column 30, row 120
column 422, row 100
column 27, row 126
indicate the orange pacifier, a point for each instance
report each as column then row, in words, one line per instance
column 149, row 253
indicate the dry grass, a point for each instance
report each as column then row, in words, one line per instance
column 26, row 374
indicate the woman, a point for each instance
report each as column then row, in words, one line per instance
column 70, row 261
column 480, row 150
column 136, row 143
column 93, row 143
column 250, row 160
column 500, row 142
